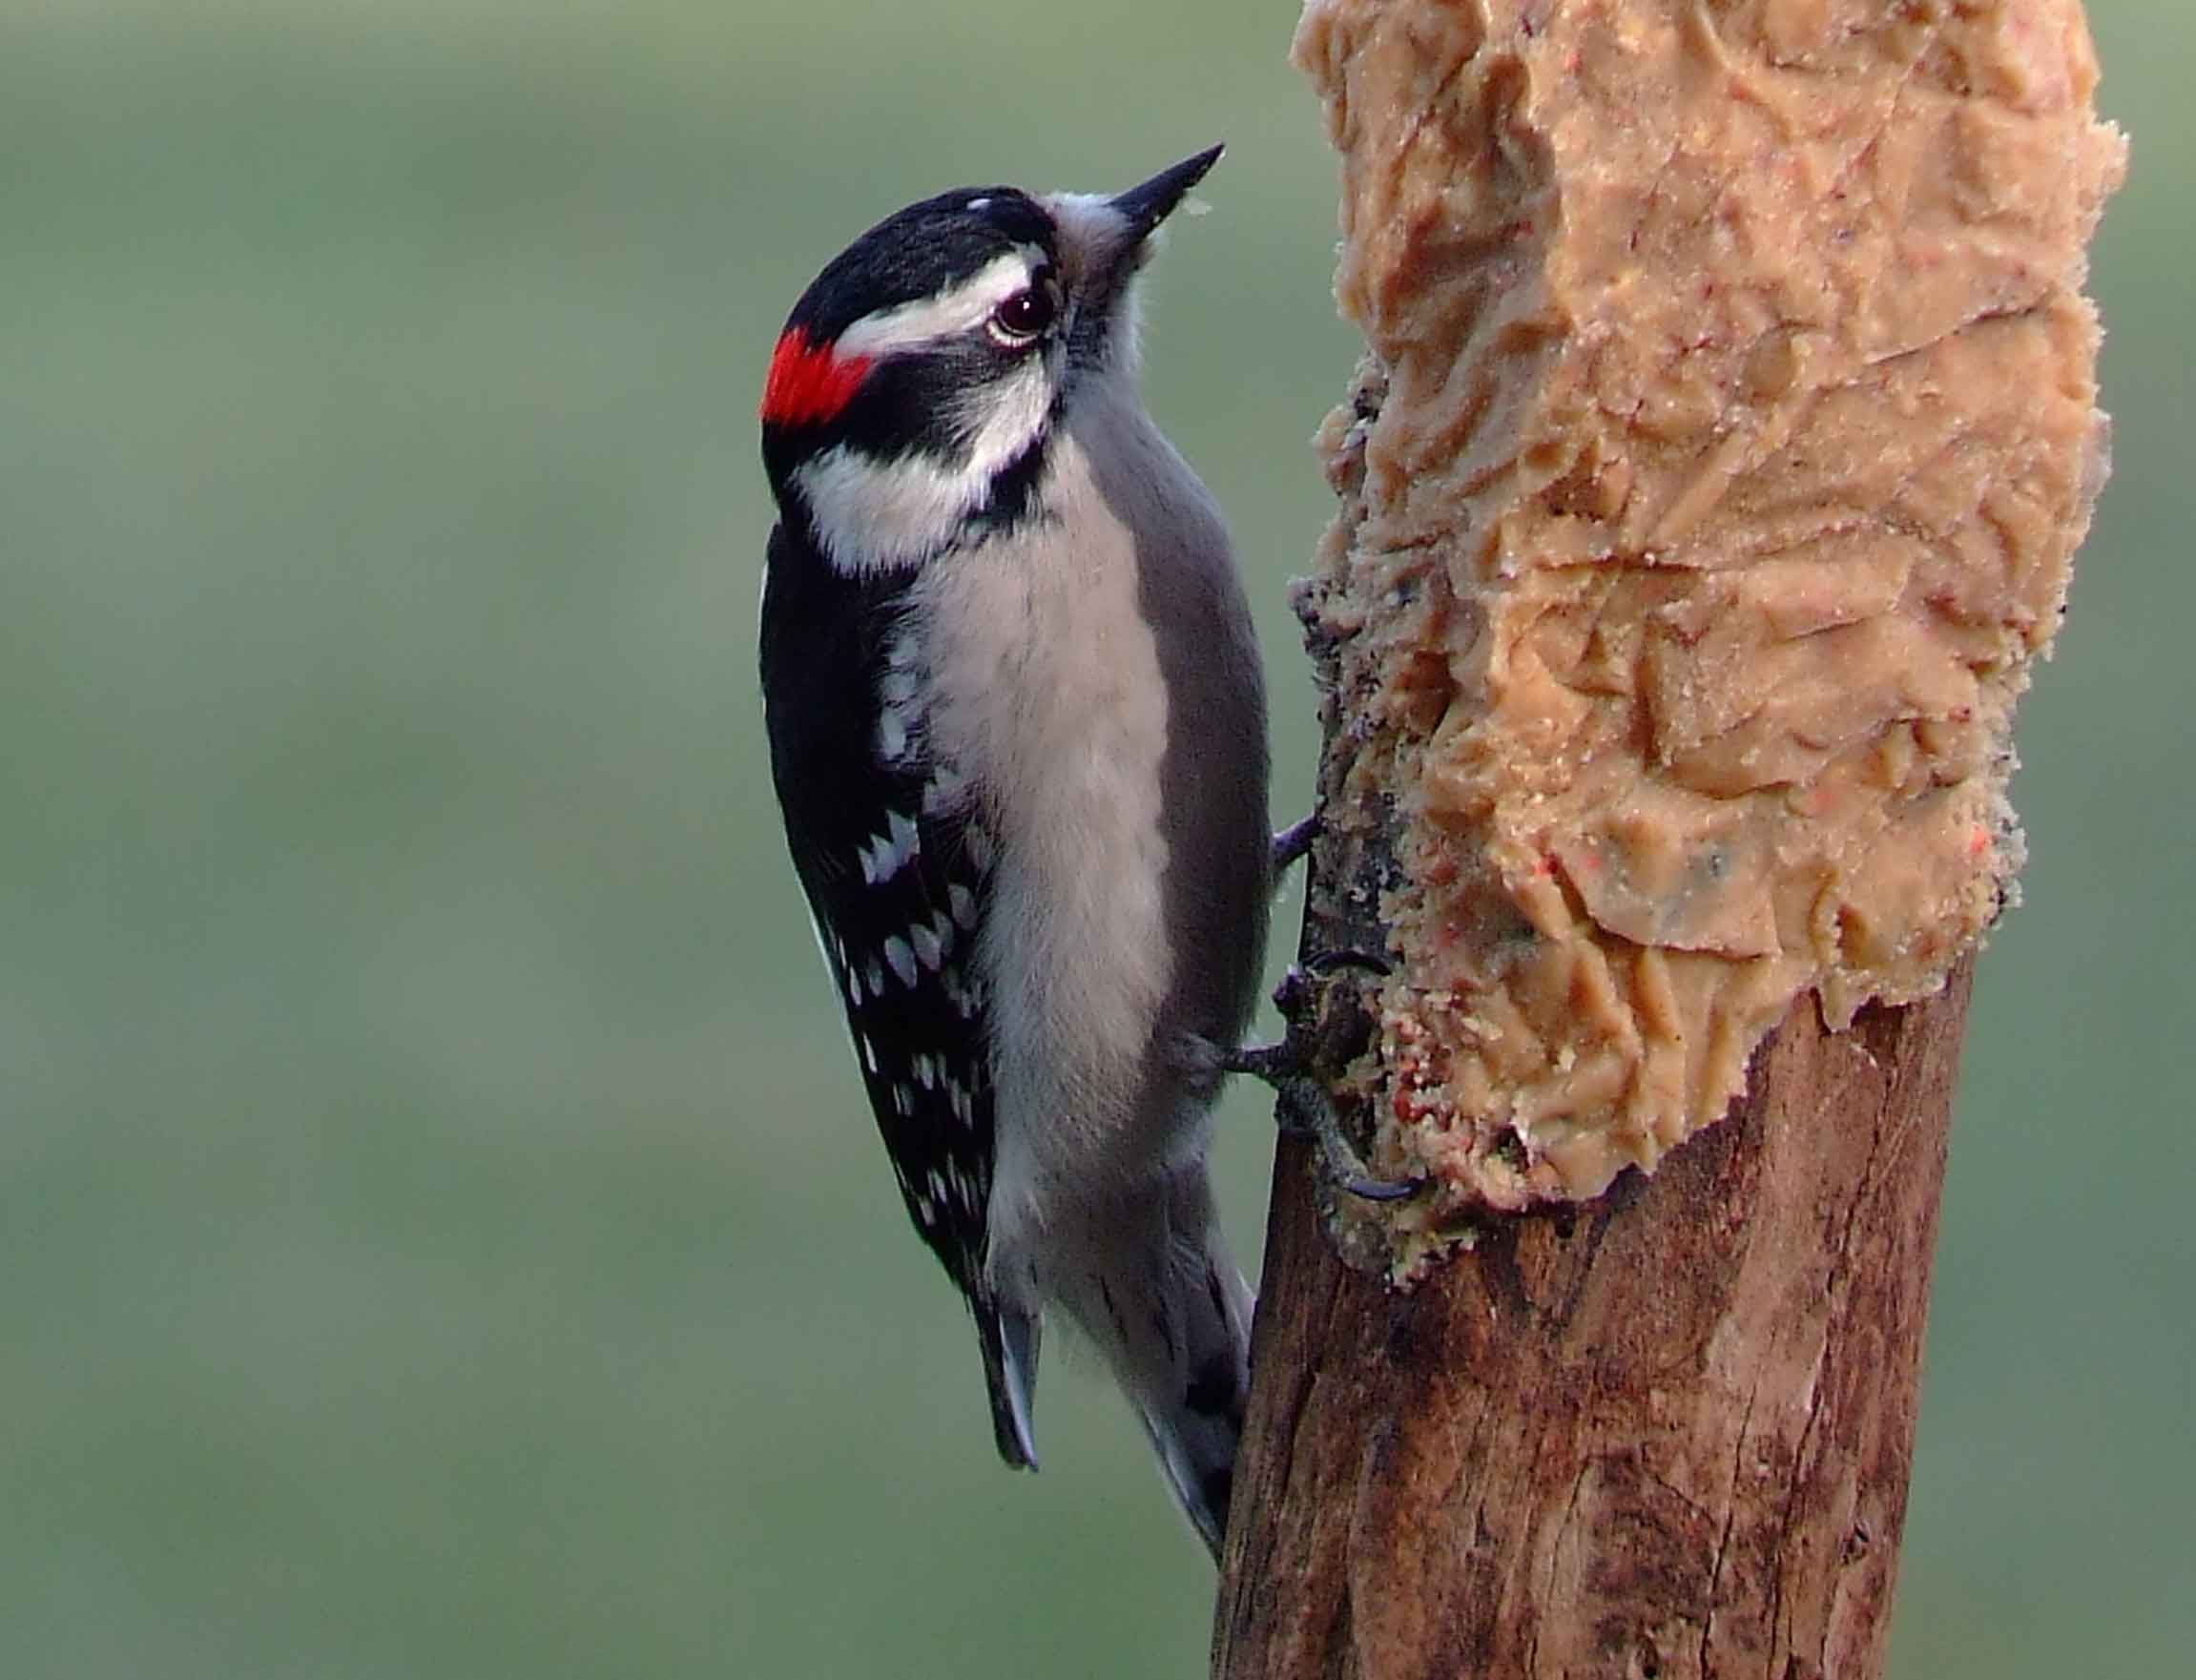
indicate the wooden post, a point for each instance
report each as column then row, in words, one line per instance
column 1665, row 1435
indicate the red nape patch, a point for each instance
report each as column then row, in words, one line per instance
column 808, row 384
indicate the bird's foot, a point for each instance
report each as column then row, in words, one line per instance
column 1308, row 1111
column 1321, row 964
column 1292, row 844
column 1305, row 1107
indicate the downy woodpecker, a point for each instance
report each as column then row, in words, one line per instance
column 1018, row 730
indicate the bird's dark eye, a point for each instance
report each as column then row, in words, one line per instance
column 1024, row 315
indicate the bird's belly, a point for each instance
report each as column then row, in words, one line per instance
column 1052, row 702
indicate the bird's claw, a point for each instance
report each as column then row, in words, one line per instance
column 1307, row 1109
column 1292, row 844
column 1302, row 1102
column 1325, row 962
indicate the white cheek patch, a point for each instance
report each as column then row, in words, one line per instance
column 870, row 514
column 926, row 321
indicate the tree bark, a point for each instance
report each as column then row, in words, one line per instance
column 1663, row 1434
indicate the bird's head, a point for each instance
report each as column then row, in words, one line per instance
column 921, row 375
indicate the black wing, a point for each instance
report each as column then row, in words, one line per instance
column 896, row 866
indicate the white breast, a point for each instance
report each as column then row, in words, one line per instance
column 1046, row 687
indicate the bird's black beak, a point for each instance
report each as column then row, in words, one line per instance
column 1146, row 205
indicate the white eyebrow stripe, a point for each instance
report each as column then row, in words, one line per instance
column 908, row 326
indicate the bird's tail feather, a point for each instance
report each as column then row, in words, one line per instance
column 1196, row 1421
column 1009, row 1337
column 1161, row 1296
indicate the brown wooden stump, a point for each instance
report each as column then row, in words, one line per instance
column 1663, row 1434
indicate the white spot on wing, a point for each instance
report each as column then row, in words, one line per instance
column 892, row 735
column 929, row 948
column 888, row 853
column 902, row 957
column 906, row 837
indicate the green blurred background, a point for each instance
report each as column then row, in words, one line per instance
column 441, row 1232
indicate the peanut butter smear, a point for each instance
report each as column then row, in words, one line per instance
column 1728, row 429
